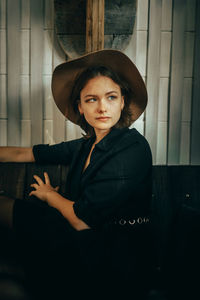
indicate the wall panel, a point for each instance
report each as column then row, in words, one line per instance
column 36, row 60
column 176, row 91
column 153, row 74
column 195, row 130
column 165, row 47
column 13, row 72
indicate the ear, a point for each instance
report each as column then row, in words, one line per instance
column 80, row 108
column 122, row 103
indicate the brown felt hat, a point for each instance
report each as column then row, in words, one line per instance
column 65, row 75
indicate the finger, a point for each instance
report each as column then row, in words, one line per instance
column 34, row 185
column 46, row 177
column 31, row 193
column 57, row 188
column 38, row 179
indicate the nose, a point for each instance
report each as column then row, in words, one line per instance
column 102, row 106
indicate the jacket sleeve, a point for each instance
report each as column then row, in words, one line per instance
column 61, row 153
column 121, row 182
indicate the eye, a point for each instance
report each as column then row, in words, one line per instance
column 112, row 97
column 90, row 100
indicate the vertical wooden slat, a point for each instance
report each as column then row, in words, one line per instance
column 25, row 75
column 25, row 97
column 165, row 54
column 70, row 130
column 48, row 107
column 37, row 38
column 89, row 10
column 177, row 72
column 25, row 49
column 3, row 51
column 94, row 25
column 141, row 34
column 59, row 126
column 2, row 13
column 189, row 54
column 100, row 42
column 3, row 76
column 48, row 132
column 48, row 14
column 186, row 122
column 3, row 133
column 25, row 133
column 3, row 104
column 48, row 43
column 13, row 67
column 141, row 51
column 161, row 151
column 166, row 15
column 25, row 14
column 153, row 74
column 195, row 130
column 142, row 14
column 191, row 10
column 162, row 127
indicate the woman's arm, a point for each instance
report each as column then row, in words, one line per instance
column 16, row 154
column 45, row 192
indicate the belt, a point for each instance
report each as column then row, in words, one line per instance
column 131, row 222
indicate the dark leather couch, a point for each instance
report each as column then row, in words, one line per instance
column 176, row 227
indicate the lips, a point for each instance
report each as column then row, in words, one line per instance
column 103, row 118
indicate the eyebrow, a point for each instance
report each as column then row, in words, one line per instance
column 90, row 95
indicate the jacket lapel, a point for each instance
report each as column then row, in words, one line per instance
column 112, row 144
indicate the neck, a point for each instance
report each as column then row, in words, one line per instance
column 100, row 135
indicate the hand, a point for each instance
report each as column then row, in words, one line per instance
column 42, row 189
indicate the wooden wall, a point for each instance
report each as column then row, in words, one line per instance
column 165, row 47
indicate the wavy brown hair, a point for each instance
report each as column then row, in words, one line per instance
column 82, row 80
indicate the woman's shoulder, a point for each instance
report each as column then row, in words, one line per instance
column 133, row 136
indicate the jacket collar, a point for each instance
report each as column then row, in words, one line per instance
column 107, row 142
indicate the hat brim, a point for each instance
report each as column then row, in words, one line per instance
column 65, row 75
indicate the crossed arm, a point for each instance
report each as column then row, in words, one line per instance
column 43, row 190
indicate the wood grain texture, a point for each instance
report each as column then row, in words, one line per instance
column 58, row 118
column 48, row 51
column 13, row 72
column 25, row 52
column 94, row 25
column 2, row 14
column 165, row 54
column 153, row 74
column 191, row 11
column 25, row 133
column 195, row 130
column 3, row 54
column 37, row 46
column 189, row 54
column 141, row 51
column 25, row 14
column 48, row 14
column 48, row 99
column 25, row 97
column 167, row 8
column 177, row 72
column 142, row 14
column 3, row 132
column 48, row 132
column 3, row 98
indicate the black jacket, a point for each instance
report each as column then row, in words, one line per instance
column 117, row 182
column 115, row 186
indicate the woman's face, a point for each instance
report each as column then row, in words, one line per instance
column 101, row 103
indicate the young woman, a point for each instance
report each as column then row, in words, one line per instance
column 98, row 233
